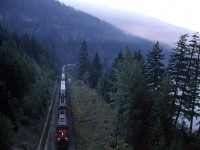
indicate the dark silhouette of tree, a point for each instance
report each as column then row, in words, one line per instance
column 83, row 63
column 185, row 93
column 176, row 70
column 112, row 77
column 192, row 99
column 138, row 56
column 183, row 71
column 103, row 87
column 6, row 128
column 154, row 67
column 160, row 132
column 96, row 70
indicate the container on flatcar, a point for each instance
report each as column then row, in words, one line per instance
column 62, row 89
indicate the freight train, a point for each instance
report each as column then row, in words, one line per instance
column 62, row 127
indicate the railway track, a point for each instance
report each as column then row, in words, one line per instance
column 48, row 120
column 48, row 138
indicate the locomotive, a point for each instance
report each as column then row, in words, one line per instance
column 62, row 128
column 62, row 131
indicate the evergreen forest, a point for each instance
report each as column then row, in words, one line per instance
column 27, row 72
column 157, row 104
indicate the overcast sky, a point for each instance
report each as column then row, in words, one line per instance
column 183, row 13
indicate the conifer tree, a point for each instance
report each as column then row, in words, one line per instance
column 103, row 87
column 18, row 74
column 176, row 72
column 96, row 70
column 83, row 63
column 154, row 67
column 160, row 124
column 192, row 100
column 131, row 98
column 184, row 89
column 138, row 56
column 117, row 60
column 184, row 72
column 6, row 128
column 111, row 74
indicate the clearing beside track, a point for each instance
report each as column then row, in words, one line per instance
column 93, row 124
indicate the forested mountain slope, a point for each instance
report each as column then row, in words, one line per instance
column 26, row 74
column 64, row 28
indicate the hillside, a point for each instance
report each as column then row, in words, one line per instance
column 26, row 80
column 63, row 28
column 131, row 21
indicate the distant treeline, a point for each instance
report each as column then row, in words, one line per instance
column 26, row 73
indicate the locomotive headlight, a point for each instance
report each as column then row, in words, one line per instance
column 62, row 133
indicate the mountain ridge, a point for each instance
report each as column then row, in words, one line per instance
column 64, row 28
column 133, row 22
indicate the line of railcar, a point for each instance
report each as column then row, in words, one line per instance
column 62, row 127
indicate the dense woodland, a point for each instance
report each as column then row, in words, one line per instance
column 26, row 74
column 157, row 104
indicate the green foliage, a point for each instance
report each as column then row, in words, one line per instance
column 86, row 77
column 184, row 70
column 154, row 67
column 83, row 64
column 90, row 73
column 5, row 132
column 192, row 100
column 176, row 145
column 35, row 102
column 24, row 146
column 131, row 98
column 157, row 138
column 138, row 56
column 96, row 71
column 176, row 71
column 25, row 74
column 147, row 112
column 111, row 75
column 103, row 87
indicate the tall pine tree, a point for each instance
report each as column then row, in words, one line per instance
column 154, row 68
column 183, row 71
column 83, row 65
column 184, row 89
column 191, row 105
column 176, row 72
column 96, row 70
